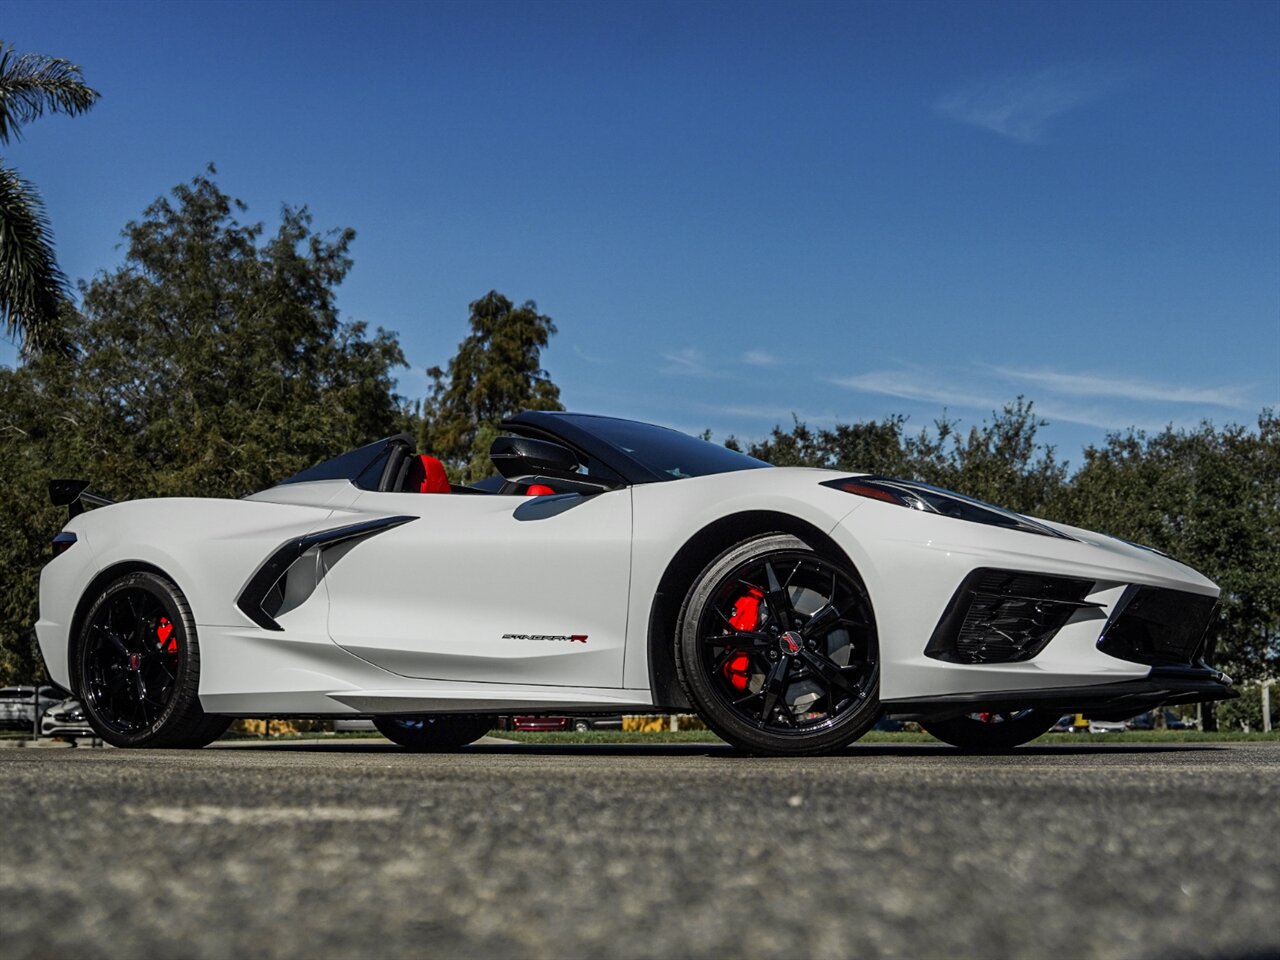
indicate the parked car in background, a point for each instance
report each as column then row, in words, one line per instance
column 65, row 719
column 1148, row 721
column 1107, row 726
column 532, row 724
column 353, row 726
column 18, row 710
column 610, row 722
column 540, row 724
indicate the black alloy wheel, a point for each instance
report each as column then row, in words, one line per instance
column 137, row 666
column 993, row 732
column 777, row 649
column 444, row 732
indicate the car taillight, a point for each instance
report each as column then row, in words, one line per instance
column 62, row 542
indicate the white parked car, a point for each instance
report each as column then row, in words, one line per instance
column 1107, row 726
column 19, row 706
column 66, row 719
column 611, row 567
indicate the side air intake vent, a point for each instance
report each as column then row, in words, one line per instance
column 263, row 596
column 1005, row 616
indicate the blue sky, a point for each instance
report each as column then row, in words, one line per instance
column 737, row 211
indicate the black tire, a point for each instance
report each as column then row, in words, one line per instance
column 136, row 665
column 582, row 726
column 446, row 732
column 992, row 732
column 210, row 730
column 769, row 686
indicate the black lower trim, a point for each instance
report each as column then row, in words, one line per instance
column 1157, row 626
column 1104, row 701
column 250, row 600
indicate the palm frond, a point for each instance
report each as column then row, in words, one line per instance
column 31, row 83
column 31, row 285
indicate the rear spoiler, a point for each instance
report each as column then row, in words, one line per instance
column 74, row 495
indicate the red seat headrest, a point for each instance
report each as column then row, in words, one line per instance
column 538, row 490
column 427, row 475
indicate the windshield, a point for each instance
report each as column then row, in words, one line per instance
column 668, row 453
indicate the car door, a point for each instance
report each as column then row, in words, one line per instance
column 488, row 588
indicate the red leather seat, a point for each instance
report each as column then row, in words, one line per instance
column 426, row 475
column 538, row 490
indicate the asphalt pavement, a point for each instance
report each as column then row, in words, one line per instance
column 358, row 849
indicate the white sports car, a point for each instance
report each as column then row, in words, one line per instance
column 612, row 567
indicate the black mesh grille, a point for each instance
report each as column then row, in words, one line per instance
column 1005, row 616
column 1157, row 626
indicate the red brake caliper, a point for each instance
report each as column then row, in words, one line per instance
column 164, row 633
column 746, row 616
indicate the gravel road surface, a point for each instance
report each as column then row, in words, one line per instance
column 358, row 849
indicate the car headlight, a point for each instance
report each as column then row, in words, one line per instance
column 929, row 499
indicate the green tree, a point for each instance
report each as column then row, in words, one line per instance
column 1001, row 461
column 31, row 284
column 867, row 447
column 496, row 372
column 1246, row 712
column 213, row 362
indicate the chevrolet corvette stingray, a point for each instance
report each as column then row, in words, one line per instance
column 608, row 567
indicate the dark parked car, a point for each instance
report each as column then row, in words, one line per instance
column 611, row 722
column 1147, row 721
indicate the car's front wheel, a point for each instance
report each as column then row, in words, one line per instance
column 446, row 732
column 777, row 649
column 136, row 666
column 992, row 732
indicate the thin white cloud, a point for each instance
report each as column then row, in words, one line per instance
column 912, row 385
column 589, row 358
column 1020, row 107
column 1057, row 396
column 688, row 362
column 1097, row 385
column 774, row 415
column 760, row 358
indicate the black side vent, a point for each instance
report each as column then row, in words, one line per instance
column 261, row 598
column 1157, row 626
column 1005, row 616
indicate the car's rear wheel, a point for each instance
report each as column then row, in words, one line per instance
column 777, row 649
column 992, row 732
column 447, row 732
column 136, row 666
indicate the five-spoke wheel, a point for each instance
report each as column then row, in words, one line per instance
column 777, row 648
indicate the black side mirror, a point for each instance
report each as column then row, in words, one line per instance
column 521, row 458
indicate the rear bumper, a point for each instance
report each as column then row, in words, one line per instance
column 1120, row 700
